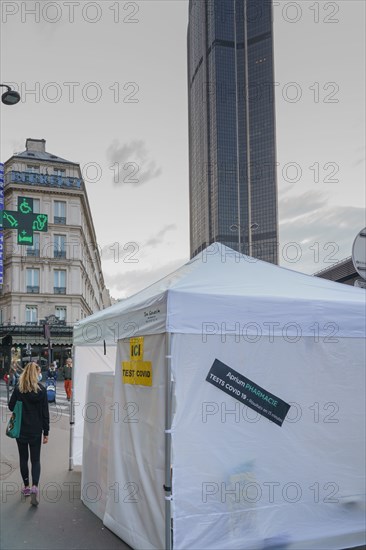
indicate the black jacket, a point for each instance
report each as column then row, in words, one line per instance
column 35, row 413
column 67, row 372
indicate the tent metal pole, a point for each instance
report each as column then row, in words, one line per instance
column 72, row 412
column 168, row 423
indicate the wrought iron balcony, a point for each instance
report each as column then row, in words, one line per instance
column 32, row 329
column 60, row 220
column 59, row 290
column 59, row 253
column 33, row 289
column 32, row 251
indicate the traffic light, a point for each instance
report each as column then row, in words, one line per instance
column 46, row 332
column 7, row 341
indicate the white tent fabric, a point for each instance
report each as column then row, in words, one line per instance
column 135, row 510
column 240, row 481
column 98, row 419
column 87, row 359
column 300, row 338
column 222, row 291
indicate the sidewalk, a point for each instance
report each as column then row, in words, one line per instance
column 61, row 521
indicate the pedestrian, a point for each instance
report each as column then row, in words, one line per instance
column 39, row 372
column 52, row 373
column 67, row 372
column 14, row 373
column 35, row 420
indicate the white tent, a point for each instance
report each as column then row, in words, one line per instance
column 247, row 382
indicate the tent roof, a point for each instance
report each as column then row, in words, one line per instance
column 224, row 288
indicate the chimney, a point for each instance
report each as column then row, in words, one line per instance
column 38, row 145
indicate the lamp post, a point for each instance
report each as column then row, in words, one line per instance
column 28, row 351
column 241, row 230
column 10, row 97
column 47, row 335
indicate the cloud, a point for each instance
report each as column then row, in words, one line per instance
column 320, row 237
column 359, row 161
column 132, row 251
column 121, row 252
column 293, row 207
column 131, row 163
column 159, row 237
column 128, row 283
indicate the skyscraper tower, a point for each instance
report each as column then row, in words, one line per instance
column 232, row 144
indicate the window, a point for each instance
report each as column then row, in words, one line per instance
column 59, row 284
column 60, row 313
column 36, row 206
column 59, row 172
column 34, row 249
column 32, row 169
column 59, row 212
column 32, row 276
column 59, row 249
column 31, row 315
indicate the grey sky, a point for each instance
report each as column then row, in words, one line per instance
column 112, row 95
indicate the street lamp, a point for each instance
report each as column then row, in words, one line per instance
column 241, row 230
column 10, row 97
column 28, row 351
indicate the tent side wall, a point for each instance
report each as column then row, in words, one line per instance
column 97, row 423
column 241, row 481
column 87, row 359
column 135, row 508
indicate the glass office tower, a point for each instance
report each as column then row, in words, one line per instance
column 232, row 143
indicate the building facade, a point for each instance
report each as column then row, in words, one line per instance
column 232, row 144
column 342, row 272
column 57, row 279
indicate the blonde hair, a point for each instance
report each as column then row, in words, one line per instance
column 28, row 380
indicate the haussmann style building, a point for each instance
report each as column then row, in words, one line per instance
column 52, row 271
column 232, row 143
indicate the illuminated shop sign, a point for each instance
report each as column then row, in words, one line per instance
column 24, row 220
column 43, row 179
column 1, row 229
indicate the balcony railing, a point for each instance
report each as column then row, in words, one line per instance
column 60, row 220
column 59, row 290
column 32, row 251
column 33, row 289
column 57, row 323
column 59, row 253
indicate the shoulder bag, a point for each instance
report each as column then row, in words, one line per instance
column 13, row 427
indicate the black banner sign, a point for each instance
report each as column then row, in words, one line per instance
column 247, row 392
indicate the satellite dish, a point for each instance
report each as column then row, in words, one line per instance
column 359, row 253
column 360, row 283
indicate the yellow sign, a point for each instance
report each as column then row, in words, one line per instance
column 137, row 348
column 137, row 371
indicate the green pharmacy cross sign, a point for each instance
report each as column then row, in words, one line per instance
column 24, row 220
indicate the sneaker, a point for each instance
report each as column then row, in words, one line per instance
column 26, row 492
column 34, row 496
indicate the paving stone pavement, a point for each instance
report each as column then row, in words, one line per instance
column 61, row 521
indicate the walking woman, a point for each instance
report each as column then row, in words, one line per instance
column 67, row 372
column 35, row 420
